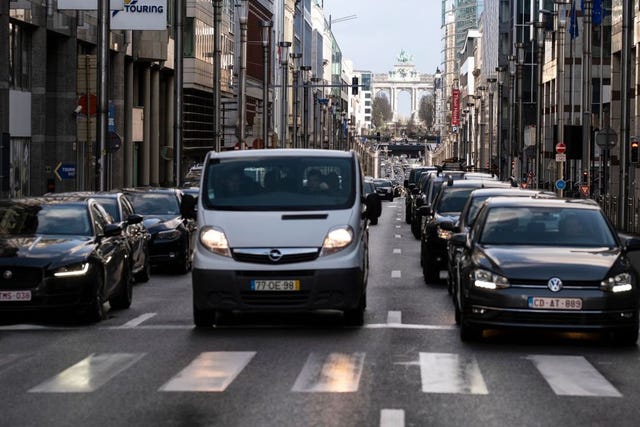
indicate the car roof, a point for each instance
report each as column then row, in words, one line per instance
column 542, row 201
column 478, row 183
column 171, row 190
column 279, row 152
column 496, row 191
column 86, row 194
column 38, row 201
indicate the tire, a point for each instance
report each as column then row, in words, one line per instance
column 94, row 312
column 625, row 337
column 124, row 297
column 415, row 229
column 407, row 213
column 203, row 318
column 184, row 266
column 355, row 317
column 469, row 333
column 429, row 271
column 144, row 275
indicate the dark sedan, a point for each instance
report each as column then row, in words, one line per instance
column 384, row 188
column 62, row 254
column 545, row 263
column 171, row 232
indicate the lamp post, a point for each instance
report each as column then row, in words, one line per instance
column 539, row 27
column 482, row 123
column 491, row 82
column 520, row 73
column 242, row 77
column 562, row 23
column 343, row 116
column 284, row 63
column 295, row 57
column 586, row 96
column 500, row 71
column 475, row 152
column 437, row 83
column 266, row 48
column 217, row 60
column 467, row 151
column 512, row 102
column 317, row 110
column 305, row 106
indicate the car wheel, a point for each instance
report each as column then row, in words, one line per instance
column 456, row 309
column 125, row 293
column 626, row 336
column 94, row 312
column 429, row 271
column 203, row 318
column 355, row 317
column 469, row 332
column 184, row 266
column 415, row 229
column 144, row 275
column 407, row 214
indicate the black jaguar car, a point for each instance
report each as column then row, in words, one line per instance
column 545, row 263
column 62, row 254
column 171, row 232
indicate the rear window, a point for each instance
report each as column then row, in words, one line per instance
column 279, row 183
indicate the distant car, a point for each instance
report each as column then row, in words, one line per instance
column 370, row 188
column 548, row 264
column 62, row 254
column 384, row 188
column 171, row 232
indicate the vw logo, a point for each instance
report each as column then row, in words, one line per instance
column 275, row 255
column 8, row 274
column 554, row 284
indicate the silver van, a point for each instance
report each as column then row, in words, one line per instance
column 281, row 230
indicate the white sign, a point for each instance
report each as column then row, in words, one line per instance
column 561, row 157
column 88, row 4
column 140, row 15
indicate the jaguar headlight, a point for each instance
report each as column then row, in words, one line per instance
column 336, row 240
column 73, row 270
column 618, row 283
column 444, row 234
column 215, row 241
column 168, row 235
column 487, row 280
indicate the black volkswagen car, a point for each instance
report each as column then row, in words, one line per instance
column 549, row 264
column 62, row 254
column 171, row 231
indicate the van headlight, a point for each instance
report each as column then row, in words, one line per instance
column 618, row 283
column 215, row 241
column 336, row 240
column 487, row 280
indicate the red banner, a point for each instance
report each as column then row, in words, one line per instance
column 455, row 107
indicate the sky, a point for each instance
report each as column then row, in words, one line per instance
column 382, row 28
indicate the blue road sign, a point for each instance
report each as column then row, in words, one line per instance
column 561, row 184
column 65, row 171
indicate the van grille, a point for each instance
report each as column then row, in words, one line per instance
column 262, row 256
column 273, row 299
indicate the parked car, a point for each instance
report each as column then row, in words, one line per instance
column 545, row 263
column 121, row 210
column 409, row 184
column 62, row 254
column 384, row 188
column 172, row 231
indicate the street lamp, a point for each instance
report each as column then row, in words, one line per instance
column 562, row 24
column 491, row 82
column 305, row 109
column 500, row 71
column 217, row 60
column 482, row 124
column 266, row 48
column 539, row 27
column 520, row 72
column 512, row 102
column 317, row 110
column 295, row 57
column 284, row 63
column 242, row 77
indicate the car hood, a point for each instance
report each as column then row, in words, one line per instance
column 302, row 229
column 541, row 263
column 41, row 251
column 156, row 223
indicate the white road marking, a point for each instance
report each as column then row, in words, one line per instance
column 396, row 274
column 392, row 418
column 137, row 321
column 336, row 373
column 211, row 371
column 409, row 326
column 89, row 374
column 398, row 226
column 398, row 236
column 397, row 251
column 394, row 317
column 450, row 373
column 391, row 206
column 573, row 376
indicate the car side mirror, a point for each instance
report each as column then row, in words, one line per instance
column 459, row 240
column 111, row 230
column 188, row 206
column 134, row 219
column 632, row 244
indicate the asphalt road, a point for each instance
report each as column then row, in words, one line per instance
column 148, row 366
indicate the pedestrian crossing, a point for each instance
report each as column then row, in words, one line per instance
column 322, row 372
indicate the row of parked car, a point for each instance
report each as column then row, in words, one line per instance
column 512, row 257
column 78, row 250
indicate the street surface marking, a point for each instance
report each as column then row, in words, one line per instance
column 409, row 326
column 336, row 373
column 398, row 226
column 398, row 219
column 451, row 373
column 137, row 321
column 573, row 376
column 89, row 374
column 392, row 418
column 396, row 274
column 211, row 371
column 391, row 206
column 397, row 251
column 394, row 317
column 398, row 236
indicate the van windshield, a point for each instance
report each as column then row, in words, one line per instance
column 279, row 183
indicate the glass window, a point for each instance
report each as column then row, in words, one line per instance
column 111, row 206
column 155, row 203
column 453, row 200
column 22, row 219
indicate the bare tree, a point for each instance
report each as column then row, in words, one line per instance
column 425, row 112
column 380, row 111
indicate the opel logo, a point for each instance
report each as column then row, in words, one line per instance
column 8, row 274
column 554, row 284
column 275, row 255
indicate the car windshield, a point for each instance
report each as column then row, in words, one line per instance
column 155, row 203
column 277, row 183
column 111, row 206
column 546, row 227
column 452, row 200
column 20, row 220
column 383, row 184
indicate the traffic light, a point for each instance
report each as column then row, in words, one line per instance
column 354, row 85
column 635, row 155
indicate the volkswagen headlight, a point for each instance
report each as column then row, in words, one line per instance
column 73, row 270
column 487, row 280
column 336, row 240
column 168, row 235
column 618, row 283
column 215, row 241
column 444, row 234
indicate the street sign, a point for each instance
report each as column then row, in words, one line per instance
column 561, row 157
column 584, row 189
column 65, row 171
column 561, row 147
column 561, row 184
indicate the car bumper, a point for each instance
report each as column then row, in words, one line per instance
column 167, row 251
column 338, row 289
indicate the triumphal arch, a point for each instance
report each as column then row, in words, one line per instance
column 403, row 78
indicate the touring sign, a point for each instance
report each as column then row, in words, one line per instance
column 88, row 4
column 140, row 15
